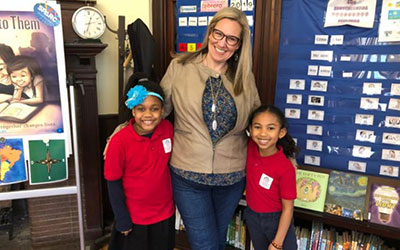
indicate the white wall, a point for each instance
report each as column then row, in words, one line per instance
column 107, row 60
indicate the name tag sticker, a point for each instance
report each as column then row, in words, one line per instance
column 266, row 181
column 167, row 145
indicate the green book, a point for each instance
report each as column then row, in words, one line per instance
column 311, row 189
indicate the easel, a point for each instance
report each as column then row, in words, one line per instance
column 46, row 192
column 66, row 190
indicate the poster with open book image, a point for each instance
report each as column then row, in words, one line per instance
column 384, row 205
column 346, row 195
column 33, row 95
column 17, row 112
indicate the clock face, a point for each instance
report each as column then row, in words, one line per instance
column 88, row 23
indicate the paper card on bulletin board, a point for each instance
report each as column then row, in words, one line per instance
column 338, row 88
column 389, row 27
column 193, row 17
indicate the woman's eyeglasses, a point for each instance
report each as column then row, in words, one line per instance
column 230, row 40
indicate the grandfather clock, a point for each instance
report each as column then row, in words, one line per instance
column 81, row 67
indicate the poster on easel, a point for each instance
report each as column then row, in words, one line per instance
column 33, row 91
column 48, row 161
column 33, row 96
column 12, row 162
column 35, row 132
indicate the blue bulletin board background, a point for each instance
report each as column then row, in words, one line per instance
column 335, row 139
column 190, row 36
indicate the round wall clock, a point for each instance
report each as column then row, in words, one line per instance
column 88, row 22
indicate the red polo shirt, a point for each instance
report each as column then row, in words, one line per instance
column 283, row 185
column 142, row 164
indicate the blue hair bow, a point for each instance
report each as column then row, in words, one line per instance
column 137, row 95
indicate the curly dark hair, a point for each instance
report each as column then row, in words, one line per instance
column 287, row 143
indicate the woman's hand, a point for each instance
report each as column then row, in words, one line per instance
column 116, row 130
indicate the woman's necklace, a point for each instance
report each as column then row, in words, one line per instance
column 214, row 97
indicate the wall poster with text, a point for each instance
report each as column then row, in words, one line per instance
column 32, row 69
column 33, row 91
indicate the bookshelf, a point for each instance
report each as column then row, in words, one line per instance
column 304, row 217
column 347, row 223
column 391, row 235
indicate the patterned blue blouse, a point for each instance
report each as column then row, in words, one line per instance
column 225, row 116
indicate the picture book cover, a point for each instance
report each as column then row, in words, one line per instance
column 32, row 69
column 346, row 195
column 384, row 206
column 311, row 189
column 12, row 168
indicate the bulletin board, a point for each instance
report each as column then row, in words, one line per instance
column 193, row 17
column 339, row 86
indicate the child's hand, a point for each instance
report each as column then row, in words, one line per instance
column 271, row 247
column 274, row 246
column 125, row 233
column 8, row 100
column 14, row 100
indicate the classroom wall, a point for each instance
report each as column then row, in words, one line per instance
column 107, row 60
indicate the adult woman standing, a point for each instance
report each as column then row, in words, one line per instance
column 212, row 92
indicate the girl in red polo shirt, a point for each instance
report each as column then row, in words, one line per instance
column 270, row 181
column 137, row 173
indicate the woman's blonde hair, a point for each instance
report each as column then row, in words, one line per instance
column 239, row 68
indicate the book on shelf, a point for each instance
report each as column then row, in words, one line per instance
column 236, row 234
column 322, row 238
column 16, row 112
column 302, row 237
column 330, row 239
column 316, row 231
column 384, row 205
column 238, row 227
column 305, row 239
column 311, row 189
column 346, row 195
column 346, row 243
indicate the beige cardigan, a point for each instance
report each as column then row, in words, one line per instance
column 192, row 147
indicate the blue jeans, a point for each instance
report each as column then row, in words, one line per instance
column 206, row 210
column 263, row 227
